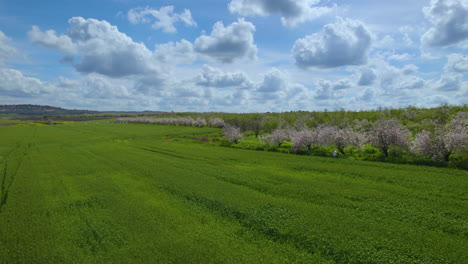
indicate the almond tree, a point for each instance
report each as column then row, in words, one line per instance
column 343, row 137
column 386, row 134
column 216, row 122
column 232, row 133
column 453, row 136
column 423, row 144
column 200, row 122
column 306, row 137
column 278, row 137
column 445, row 141
column 255, row 126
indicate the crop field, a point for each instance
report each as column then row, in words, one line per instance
column 99, row 192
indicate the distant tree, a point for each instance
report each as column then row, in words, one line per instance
column 343, row 137
column 232, row 133
column 423, row 144
column 256, row 125
column 216, row 122
column 386, row 134
column 278, row 137
column 452, row 137
column 200, row 122
column 303, row 138
column 269, row 124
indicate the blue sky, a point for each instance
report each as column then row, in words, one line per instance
column 234, row 55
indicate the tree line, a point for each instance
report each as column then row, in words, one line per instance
column 434, row 134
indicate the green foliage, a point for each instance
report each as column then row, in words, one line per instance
column 98, row 192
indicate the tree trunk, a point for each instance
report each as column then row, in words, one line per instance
column 447, row 156
column 341, row 150
column 385, row 151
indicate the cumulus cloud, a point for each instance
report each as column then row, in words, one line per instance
column 436, row 100
column 450, row 83
column 50, row 39
column 277, row 87
column 407, row 33
column 410, row 69
column 7, row 52
column 367, row 95
column 347, row 42
column 395, row 82
column 180, row 52
column 213, row 77
column 412, row 83
column 342, row 85
column 227, row 44
column 292, row 12
column 14, row 83
column 399, row 57
column 331, row 90
column 457, row 63
column 450, row 22
column 165, row 17
column 102, row 48
column 98, row 86
column 367, row 77
column 152, row 85
column 324, row 90
column 273, row 81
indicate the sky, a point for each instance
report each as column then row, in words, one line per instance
column 234, row 55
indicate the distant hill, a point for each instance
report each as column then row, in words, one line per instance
column 28, row 109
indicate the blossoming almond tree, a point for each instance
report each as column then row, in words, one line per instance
column 278, row 137
column 445, row 140
column 386, row 134
column 232, row 133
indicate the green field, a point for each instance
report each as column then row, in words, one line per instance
column 98, row 192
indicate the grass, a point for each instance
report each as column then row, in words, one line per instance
column 97, row 192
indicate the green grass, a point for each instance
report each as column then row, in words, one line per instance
column 96, row 192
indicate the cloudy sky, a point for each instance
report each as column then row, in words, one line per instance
column 234, row 55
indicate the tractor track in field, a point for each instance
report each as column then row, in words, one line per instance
column 165, row 152
column 8, row 175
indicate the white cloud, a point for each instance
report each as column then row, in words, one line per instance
column 457, row 63
column 165, row 17
column 399, row 57
column 367, row 77
column 342, row 85
column 326, row 90
column 152, row 85
column 292, row 12
column 407, row 32
column 277, row 89
column 394, row 82
column 410, row 69
column 7, row 52
column 13, row 83
column 412, row 83
column 175, row 52
column 50, row 39
column 450, row 22
column 101, row 47
column 213, row 77
column 367, row 95
column 230, row 43
column 274, row 81
column 347, row 42
column 450, row 83
column 98, row 86
column 436, row 100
